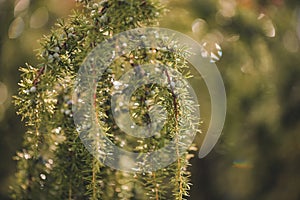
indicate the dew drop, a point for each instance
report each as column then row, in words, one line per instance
column 117, row 84
column 157, row 69
column 56, row 130
column 172, row 84
column 26, row 91
column 104, row 18
column 95, row 5
column 32, row 89
column 70, row 35
column 113, row 54
column 56, row 49
column 67, row 112
column 56, row 55
column 122, row 144
column 71, row 29
column 93, row 13
column 27, row 156
column 125, row 187
column 50, row 58
column 43, row 176
column 101, row 152
column 157, row 135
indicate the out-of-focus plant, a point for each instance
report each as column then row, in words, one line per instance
column 257, row 156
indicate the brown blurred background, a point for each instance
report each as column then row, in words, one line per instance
column 258, row 154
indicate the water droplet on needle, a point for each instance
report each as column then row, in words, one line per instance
column 43, row 176
column 213, row 51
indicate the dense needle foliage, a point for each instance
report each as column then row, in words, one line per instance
column 54, row 164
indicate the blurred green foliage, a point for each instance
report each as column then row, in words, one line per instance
column 257, row 156
column 22, row 24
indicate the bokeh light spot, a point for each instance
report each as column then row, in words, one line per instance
column 198, row 26
column 16, row 28
column 290, row 41
column 39, row 18
column 267, row 25
column 21, row 5
column 3, row 93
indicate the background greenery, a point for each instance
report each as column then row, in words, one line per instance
column 257, row 156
